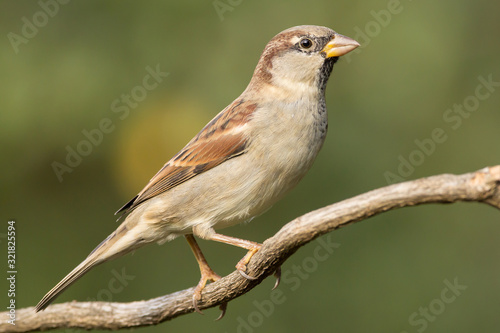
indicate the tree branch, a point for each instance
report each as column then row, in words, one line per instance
column 480, row 186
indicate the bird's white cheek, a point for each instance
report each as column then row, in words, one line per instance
column 296, row 70
column 294, row 88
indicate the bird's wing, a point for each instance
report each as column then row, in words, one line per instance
column 221, row 139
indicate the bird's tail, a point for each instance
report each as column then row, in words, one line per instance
column 117, row 244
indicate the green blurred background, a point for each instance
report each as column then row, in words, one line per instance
column 418, row 59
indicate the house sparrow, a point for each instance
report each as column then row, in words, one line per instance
column 242, row 162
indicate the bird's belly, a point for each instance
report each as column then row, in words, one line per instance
column 270, row 176
column 240, row 188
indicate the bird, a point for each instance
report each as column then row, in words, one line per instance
column 242, row 162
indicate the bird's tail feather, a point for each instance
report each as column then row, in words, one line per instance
column 74, row 275
column 105, row 251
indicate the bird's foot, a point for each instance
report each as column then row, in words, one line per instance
column 241, row 266
column 207, row 274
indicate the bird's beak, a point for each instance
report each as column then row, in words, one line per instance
column 339, row 45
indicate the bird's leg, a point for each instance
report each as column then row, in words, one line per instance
column 207, row 274
column 252, row 248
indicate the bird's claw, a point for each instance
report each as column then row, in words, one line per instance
column 245, row 275
column 196, row 299
column 277, row 275
column 242, row 264
column 223, row 308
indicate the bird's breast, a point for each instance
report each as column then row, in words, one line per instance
column 286, row 141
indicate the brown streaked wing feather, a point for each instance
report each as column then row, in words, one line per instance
column 217, row 142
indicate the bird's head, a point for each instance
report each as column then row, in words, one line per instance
column 301, row 58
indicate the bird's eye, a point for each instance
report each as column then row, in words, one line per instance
column 306, row 43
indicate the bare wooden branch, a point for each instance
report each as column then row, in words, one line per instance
column 480, row 186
